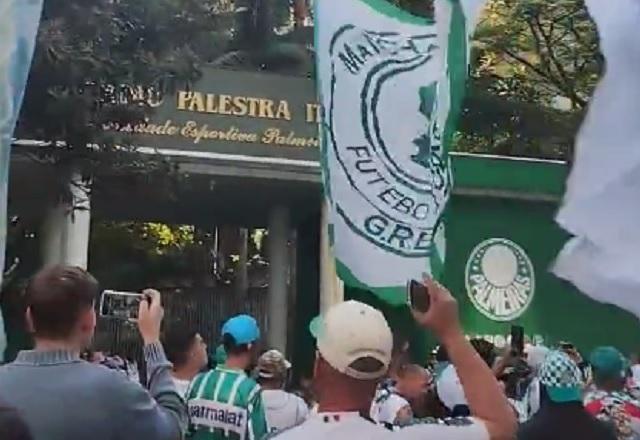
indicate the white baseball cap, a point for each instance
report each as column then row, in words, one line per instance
column 536, row 355
column 350, row 331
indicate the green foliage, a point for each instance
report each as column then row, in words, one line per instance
column 256, row 45
column 535, row 65
column 126, row 253
column 165, row 237
column 89, row 54
column 539, row 51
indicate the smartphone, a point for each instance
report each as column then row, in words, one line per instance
column 120, row 305
column 517, row 340
column 418, row 296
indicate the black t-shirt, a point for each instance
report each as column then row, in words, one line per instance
column 568, row 421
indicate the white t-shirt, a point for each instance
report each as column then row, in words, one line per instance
column 449, row 388
column 635, row 371
column 283, row 410
column 350, row 426
column 473, row 430
column 532, row 398
column 336, row 426
column 385, row 407
column 182, row 386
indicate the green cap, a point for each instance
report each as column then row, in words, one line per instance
column 561, row 378
column 608, row 363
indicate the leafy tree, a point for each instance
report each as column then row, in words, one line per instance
column 89, row 54
column 535, row 64
column 539, row 50
column 141, row 253
column 256, row 44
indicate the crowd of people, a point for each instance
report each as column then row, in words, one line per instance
column 364, row 385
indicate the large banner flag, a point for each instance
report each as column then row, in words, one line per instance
column 391, row 86
column 602, row 204
column 19, row 21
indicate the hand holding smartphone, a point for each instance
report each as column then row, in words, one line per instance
column 418, row 296
column 517, row 340
column 434, row 308
column 120, row 305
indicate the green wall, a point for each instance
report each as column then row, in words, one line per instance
column 558, row 311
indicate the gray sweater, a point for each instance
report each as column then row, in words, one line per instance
column 62, row 397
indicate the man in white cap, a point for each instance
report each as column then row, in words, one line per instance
column 354, row 345
column 536, row 355
column 354, row 351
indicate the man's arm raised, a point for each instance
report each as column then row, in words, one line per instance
column 486, row 400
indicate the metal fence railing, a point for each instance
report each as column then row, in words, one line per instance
column 202, row 309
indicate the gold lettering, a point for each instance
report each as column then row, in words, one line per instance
column 188, row 129
column 134, row 94
column 240, row 106
column 270, row 135
column 275, row 136
column 197, row 102
column 283, row 111
column 232, row 134
column 254, row 103
column 183, row 97
column 211, row 103
column 155, row 98
column 137, row 93
column 225, row 101
column 313, row 113
column 165, row 129
column 247, row 137
column 266, row 109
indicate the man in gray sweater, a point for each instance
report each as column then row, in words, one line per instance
column 62, row 397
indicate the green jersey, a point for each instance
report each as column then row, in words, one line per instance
column 225, row 404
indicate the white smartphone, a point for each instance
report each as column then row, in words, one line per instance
column 120, row 305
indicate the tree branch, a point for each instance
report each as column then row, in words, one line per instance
column 541, row 73
column 567, row 85
column 536, row 37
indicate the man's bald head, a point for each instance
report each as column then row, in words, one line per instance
column 413, row 381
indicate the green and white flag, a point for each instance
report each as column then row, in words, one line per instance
column 19, row 20
column 391, row 86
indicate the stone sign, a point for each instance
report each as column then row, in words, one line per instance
column 242, row 113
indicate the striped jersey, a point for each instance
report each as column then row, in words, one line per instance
column 225, row 404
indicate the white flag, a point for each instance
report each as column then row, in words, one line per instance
column 19, row 21
column 391, row 85
column 602, row 204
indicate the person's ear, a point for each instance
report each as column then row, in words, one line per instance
column 29, row 320
column 87, row 323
